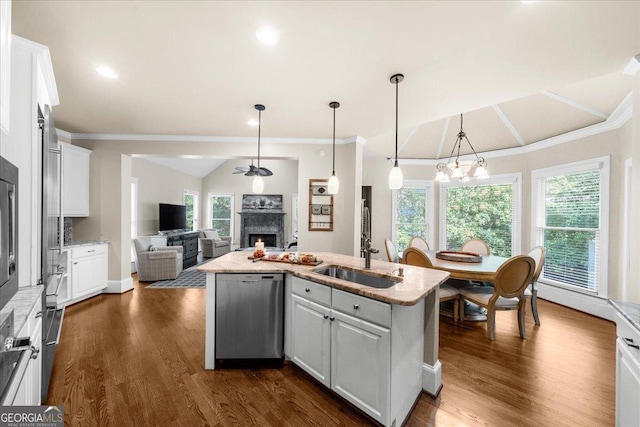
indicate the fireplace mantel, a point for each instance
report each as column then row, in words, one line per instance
column 261, row 221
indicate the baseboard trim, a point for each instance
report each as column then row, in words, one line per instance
column 596, row 306
column 432, row 378
column 118, row 286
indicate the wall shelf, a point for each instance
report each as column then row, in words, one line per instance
column 320, row 206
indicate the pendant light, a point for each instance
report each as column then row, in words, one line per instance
column 462, row 170
column 334, row 184
column 258, row 182
column 395, row 177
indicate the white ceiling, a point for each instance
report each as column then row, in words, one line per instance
column 197, row 167
column 196, row 68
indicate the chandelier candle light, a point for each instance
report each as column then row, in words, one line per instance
column 258, row 182
column 334, row 184
column 462, row 170
column 395, row 177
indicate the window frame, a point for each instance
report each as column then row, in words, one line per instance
column 601, row 164
column 196, row 206
column 294, row 216
column 233, row 211
column 515, row 179
column 428, row 185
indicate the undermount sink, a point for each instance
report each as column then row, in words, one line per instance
column 356, row 277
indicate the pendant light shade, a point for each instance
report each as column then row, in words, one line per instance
column 395, row 177
column 258, row 183
column 334, row 184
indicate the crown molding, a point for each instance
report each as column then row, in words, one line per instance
column 215, row 139
column 620, row 116
column 43, row 57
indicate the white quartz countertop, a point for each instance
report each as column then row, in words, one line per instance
column 76, row 243
column 416, row 284
column 629, row 311
column 21, row 304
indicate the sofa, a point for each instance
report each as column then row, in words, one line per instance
column 212, row 244
column 155, row 260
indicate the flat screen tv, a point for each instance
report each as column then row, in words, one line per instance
column 172, row 217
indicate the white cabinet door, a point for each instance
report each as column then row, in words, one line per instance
column 311, row 338
column 627, row 386
column 88, row 274
column 361, row 364
column 5, row 64
column 75, row 180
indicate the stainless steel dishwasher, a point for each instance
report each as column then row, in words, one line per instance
column 249, row 316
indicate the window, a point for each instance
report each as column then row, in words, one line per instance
column 487, row 210
column 412, row 213
column 191, row 202
column 221, row 210
column 569, row 218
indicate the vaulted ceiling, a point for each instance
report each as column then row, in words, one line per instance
column 521, row 72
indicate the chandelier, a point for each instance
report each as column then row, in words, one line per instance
column 462, row 170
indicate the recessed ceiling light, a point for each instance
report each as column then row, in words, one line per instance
column 107, row 72
column 267, row 35
column 252, row 122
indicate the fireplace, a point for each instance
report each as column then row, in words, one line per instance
column 268, row 239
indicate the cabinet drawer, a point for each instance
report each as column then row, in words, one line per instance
column 88, row 250
column 629, row 335
column 312, row 291
column 361, row 307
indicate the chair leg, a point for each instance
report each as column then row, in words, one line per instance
column 522, row 304
column 456, row 303
column 491, row 323
column 534, row 306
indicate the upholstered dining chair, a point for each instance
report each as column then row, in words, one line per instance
column 420, row 243
column 415, row 256
column 392, row 251
column 538, row 254
column 477, row 246
column 512, row 279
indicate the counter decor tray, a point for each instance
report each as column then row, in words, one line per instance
column 458, row 256
column 290, row 258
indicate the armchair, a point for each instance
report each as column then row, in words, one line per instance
column 213, row 245
column 156, row 261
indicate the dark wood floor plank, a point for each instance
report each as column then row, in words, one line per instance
column 138, row 359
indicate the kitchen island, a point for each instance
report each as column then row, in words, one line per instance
column 377, row 348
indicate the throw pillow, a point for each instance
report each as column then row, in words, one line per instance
column 211, row 234
column 152, row 248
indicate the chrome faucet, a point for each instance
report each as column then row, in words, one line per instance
column 368, row 250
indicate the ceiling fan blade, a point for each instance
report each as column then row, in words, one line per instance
column 265, row 172
column 240, row 169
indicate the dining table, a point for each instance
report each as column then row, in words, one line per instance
column 480, row 272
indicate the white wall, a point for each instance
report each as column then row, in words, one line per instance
column 284, row 181
column 159, row 184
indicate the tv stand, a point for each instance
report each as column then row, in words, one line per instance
column 189, row 242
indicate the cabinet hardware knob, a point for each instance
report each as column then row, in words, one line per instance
column 307, row 290
column 332, row 318
column 630, row 343
column 356, row 306
column 326, row 316
column 75, row 263
column 92, row 250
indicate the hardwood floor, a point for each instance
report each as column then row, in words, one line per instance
column 138, row 359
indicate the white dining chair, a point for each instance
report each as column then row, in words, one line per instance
column 538, row 254
column 420, row 243
column 477, row 246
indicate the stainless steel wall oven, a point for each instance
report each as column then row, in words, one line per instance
column 8, row 231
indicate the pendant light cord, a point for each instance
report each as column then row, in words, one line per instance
column 333, row 171
column 396, row 162
column 259, row 126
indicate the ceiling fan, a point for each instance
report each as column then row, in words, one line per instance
column 252, row 170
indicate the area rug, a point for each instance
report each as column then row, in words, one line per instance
column 189, row 278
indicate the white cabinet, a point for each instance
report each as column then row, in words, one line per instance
column 345, row 341
column 75, row 180
column 88, row 270
column 29, row 390
column 627, row 374
column 311, row 338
